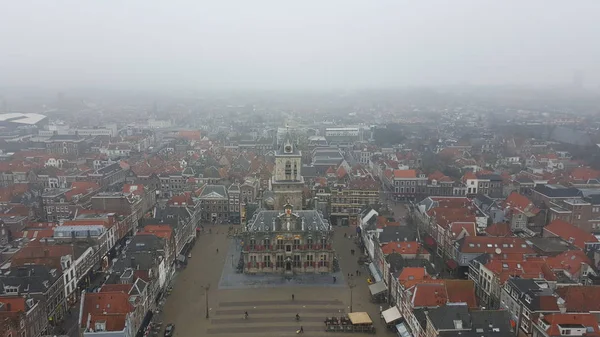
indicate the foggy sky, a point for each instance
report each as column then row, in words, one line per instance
column 297, row 44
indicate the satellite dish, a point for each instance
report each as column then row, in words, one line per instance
column 498, row 251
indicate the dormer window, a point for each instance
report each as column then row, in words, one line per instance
column 100, row 326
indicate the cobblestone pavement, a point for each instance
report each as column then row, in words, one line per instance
column 270, row 307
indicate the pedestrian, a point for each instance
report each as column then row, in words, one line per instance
column 301, row 329
column 217, row 250
column 245, row 315
column 334, row 279
column 292, row 297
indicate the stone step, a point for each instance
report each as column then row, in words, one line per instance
column 292, row 328
column 293, row 311
column 268, row 320
column 278, row 303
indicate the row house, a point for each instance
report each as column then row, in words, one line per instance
column 116, row 310
column 164, row 232
column 43, row 284
column 458, row 320
column 130, row 204
column 21, row 316
column 405, row 184
column 109, row 175
column 215, row 203
column 147, row 256
column 249, row 193
column 233, row 193
column 471, row 247
column 97, row 229
column 183, row 219
column 484, row 183
column 571, row 234
column 428, row 294
column 64, row 257
column 69, row 146
column 560, row 324
column 439, row 184
column 347, row 200
column 522, row 214
column 547, row 194
column 525, row 299
column 491, row 274
column 576, row 211
column 61, row 203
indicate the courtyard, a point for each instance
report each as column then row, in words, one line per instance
column 267, row 299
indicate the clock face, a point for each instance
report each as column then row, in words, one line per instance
column 288, row 148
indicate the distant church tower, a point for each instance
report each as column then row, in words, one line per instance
column 287, row 182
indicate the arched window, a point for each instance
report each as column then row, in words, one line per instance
column 288, row 169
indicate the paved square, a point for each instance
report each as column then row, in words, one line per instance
column 268, row 302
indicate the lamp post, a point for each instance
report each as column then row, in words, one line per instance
column 206, row 288
column 351, row 285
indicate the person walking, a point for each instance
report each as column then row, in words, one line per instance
column 292, row 297
column 301, row 329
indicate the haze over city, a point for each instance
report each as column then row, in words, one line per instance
column 269, row 44
column 273, row 168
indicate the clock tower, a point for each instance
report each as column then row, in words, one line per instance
column 287, row 182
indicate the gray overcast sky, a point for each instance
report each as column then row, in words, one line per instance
column 296, row 44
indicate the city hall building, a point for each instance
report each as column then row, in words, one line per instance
column 287, row 242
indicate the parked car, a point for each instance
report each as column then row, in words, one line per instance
column 169, row 330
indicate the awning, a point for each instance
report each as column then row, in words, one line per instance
column 360, row 318
column 374, row 272
column 377, row 288
column 451, row 264
column 403, row 330
column 392, row 314
column 429, row 241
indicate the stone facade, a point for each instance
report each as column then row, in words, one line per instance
column 287, row 181
column 288, row 242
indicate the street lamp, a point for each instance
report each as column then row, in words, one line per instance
column 206, row 288
column 351, row 285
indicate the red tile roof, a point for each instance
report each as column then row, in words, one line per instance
column 111, row 307
column 571, row 261
column 136, row 189
column 409, row 276
column 527, row 269
column 570, row 233
column 461, row 291
column 580, row 298
column 126, row 288
column 162, row 231
column 584, row 173
column 456, row 228
column 17, row 303
column 555, row 321
column 520, row 203
column 491, row 245
column 405, row 174
column 439, row 292
column 402, row 247
column 499, row 229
